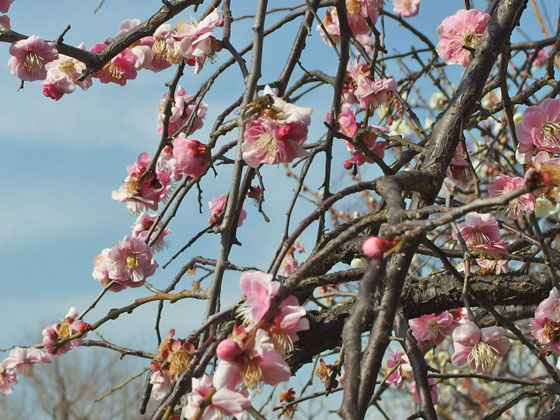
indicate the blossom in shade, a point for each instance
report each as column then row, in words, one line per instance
column 538, row 57
column 29, row 57
column 181, row 109
column 289, row 318
column 192, row 156
column 22, row 360
column 478, row 347
column 402, row 366
column 433, row 390
column 223, row 402
column 406, row 8
column 5, row 5
column 375, row 247
column 139, row 191
column 172, row 359
column 546, row 323
column 119, row 69
column 524, row 204
column 143, row 225
column 458, row 172
column 289, row 263
column 4, row 22
column 217, row 206
column 372, row 93
column 480, row 232
column 464, row 28
column 257, row 360
column 539, row 129
column 276, row 134
column 7, row 378
column 69, row 326
column 161, row 384
column 431, row 329
column 194, row 42
column 492, row 266
column 130, row 262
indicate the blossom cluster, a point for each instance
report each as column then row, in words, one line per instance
column 253, row 353
column 36, row 59
column 473, row 346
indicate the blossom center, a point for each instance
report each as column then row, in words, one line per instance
column 483, row 355
column 159, row 47
column 64, row 330
column 479, row 237
column 251, row 373
column 353, row 6
column 551, row 330
column 470, row 39
column 266, row 145
column 551, row 134
column 33, row 62
column 131, row 261
column 179, row 363
column 132, row 187
column 66, row 66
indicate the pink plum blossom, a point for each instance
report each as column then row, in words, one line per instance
column 217, row 206
column 101, row 271
column 260, row 362
column 143, row 225
column 375, row 247
column 546, row 323
column 372, row 93
column 539, row 129
column 224, row 401
column 182, row 108
column 192, row 156
column 119, row 69
column 173, row 358
column 478, row 347
column 480, row 232
column 130, row 262
column 524, row 204
column 158, row 45
column 140, row 192
column 464, row 28
column 4, row 22
column 431, row 329
column 62, row 76
column 492, row 266
column 369, row 140
column 403, row 370
column 195, row 42
column 277, row 133
column 354, row 70
column 29, row 57
column 69, row 326
column 22, row 360
column 357, row 11
column 347, row 120
column 5, row 5
column 290, row 316
column 289, row 263
column 331, row 25
column 406, row 8
column 7, row 377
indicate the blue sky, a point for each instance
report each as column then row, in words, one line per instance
column 62, row 159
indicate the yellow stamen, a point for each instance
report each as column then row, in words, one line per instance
column 251, row 373
column 470, row 39
column 33, row 62
column 66, row 66
column 483, row 355
column 131, row 261
column 551, row 134
column 179, row 362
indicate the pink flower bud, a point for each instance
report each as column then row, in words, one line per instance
column 375, row 246
column 228, row 350
column 84, row 327
column 51, row 91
